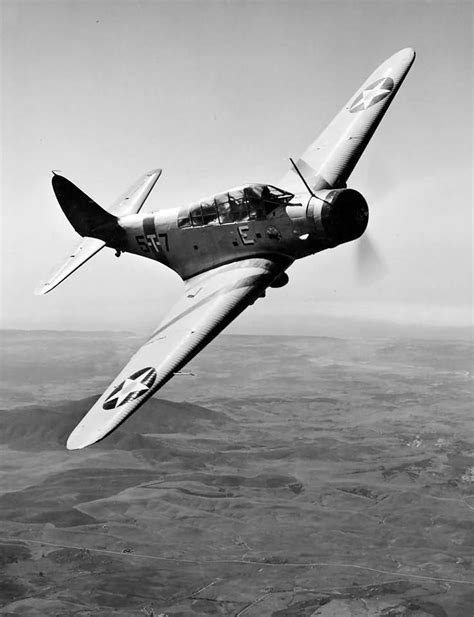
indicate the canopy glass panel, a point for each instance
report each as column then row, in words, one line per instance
column 249, row 202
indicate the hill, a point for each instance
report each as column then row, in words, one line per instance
column 290, row 476
column 43, row 427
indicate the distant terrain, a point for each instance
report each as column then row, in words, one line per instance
column 284, row 476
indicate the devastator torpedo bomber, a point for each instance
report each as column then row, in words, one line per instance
column 227, row 248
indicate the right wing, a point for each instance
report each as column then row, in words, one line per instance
column 210, row 302
column 329, row 161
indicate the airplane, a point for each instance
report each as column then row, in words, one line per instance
column 229, row 247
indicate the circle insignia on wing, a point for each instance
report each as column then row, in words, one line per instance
column 372, row 94
column 132, row 388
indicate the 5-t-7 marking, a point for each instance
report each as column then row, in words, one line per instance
column 147, row 241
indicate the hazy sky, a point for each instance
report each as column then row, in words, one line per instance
column 222, row 93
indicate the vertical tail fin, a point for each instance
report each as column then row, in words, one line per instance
column 84, row 214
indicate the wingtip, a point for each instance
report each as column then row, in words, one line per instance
column 42, row 290
column 410, row 53
column 407, row 54
column 397, row 65
column 71, row 445
column 76, row 441
column 158, row 171
column 83, row 436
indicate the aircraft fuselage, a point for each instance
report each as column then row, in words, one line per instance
column 233, row 225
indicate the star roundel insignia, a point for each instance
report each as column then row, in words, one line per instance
column 132, row 388
column 372, row 94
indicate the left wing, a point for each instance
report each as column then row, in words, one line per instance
column 210, row 302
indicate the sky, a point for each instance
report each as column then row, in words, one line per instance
column 223, row 93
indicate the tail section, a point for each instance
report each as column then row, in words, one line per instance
column 98, row 227
column 87, row 217
column 329, row 161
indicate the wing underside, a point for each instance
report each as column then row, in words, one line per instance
column 210, row 302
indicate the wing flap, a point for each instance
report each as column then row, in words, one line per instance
column 331, row 158
column 86, row 249
column 209, row 303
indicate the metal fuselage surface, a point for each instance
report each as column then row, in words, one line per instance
column 291, row 230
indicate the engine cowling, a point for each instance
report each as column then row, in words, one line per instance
column 340, row 215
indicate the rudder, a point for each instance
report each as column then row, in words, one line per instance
column 84, row 214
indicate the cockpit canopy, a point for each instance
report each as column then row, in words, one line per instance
column 249, row 202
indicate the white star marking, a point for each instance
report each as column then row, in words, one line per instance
column 365, row 99
column 369, row 95
column 130, row 386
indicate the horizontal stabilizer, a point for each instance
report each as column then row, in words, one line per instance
column 132, row 201
column 82, row 253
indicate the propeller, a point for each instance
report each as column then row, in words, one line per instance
column 380, row 181
column 370, row 266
